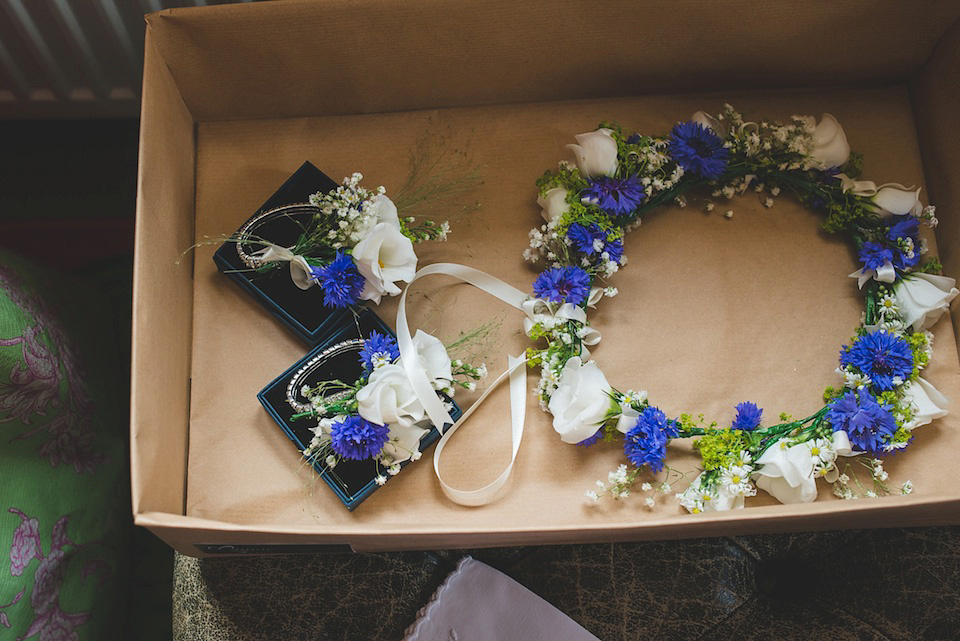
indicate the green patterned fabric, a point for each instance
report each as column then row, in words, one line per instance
column 63, row 492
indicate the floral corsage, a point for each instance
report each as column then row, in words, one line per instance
column 379, row 417
column 355, row 245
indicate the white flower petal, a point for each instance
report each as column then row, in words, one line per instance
column 830, row 146
column 580, row 402
column 928, row 402
column 300, row 273
column 922, row 298
column 897, row 200
column 384, row 257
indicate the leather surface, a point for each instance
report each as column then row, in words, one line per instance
column 875, row 585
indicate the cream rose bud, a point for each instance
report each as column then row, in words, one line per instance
column 927, row 401
column 434, row 358
column 384, row 257
column 553, row 203
column 830, row 146
column 922, row 298
column 581, row 401
column 596, row 153
column 388, row 398
column 892, row 200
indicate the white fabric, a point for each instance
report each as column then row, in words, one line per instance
column 478, row 603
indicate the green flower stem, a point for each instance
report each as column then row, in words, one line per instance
column 761, row 440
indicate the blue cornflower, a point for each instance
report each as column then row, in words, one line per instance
column 616, row 196
column 356, row 438
column 591, row 240
column 904, row 233
column 903, row 226
column 592, row 440
column 342, row 284
column 379, row 349
column 748, row 417
column 563, row 285
column 882, row 356
column 697, row 149
column 874, row 255
column 868, row 424
column 646, row 442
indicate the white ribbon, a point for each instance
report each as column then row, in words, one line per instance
column 516, row 372
column 885, row 274
column 866, row 188
column 299, row 267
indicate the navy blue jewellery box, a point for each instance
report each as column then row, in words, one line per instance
column 303, row 312
column 352, row 481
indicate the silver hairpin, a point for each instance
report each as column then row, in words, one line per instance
column 254, row 262
column 295, row 385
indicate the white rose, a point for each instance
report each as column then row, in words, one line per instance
column 787, row 472
column 554, row 203
column 404, row 441
column 300, row 273
column 581, row 401
column 922, row 298
column 927, row 401
column 384, row 257
column 830, row 146
column 434, row 358
column 596, row 153
column 388, row 398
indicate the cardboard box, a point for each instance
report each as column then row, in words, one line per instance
column 712, row 311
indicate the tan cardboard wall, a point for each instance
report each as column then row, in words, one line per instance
column 936, row 99
column 365, row 56
column 162, row 294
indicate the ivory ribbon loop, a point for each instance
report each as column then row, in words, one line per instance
column 439, row 416
column 886, row 273
column 867, row 188
column 516, row 371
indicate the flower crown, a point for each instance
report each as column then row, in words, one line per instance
column 589, row 206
